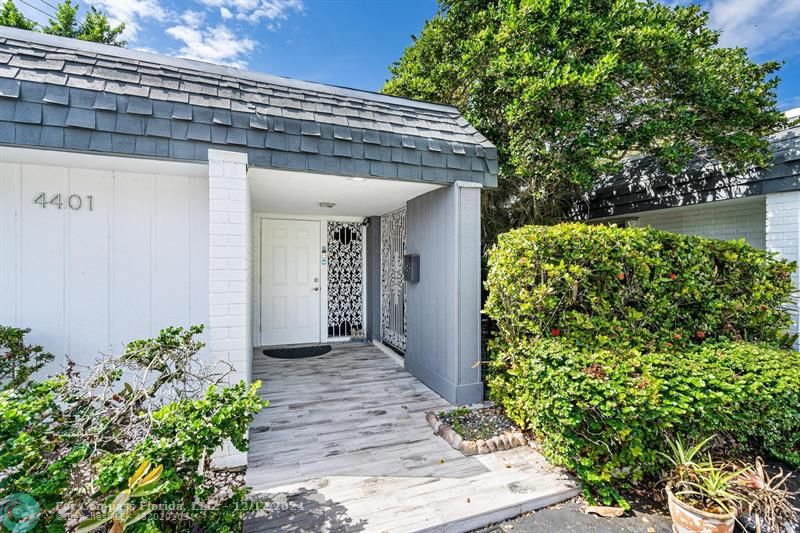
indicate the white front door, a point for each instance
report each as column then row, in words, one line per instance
column 290, row 282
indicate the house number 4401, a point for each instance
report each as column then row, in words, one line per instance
column 59, row 201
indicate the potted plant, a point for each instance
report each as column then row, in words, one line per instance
column 703, row 496
column 769, row 501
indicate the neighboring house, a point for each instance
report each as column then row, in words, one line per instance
column 139, row 191
column 762, row 206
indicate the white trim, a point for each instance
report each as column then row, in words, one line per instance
column 41, row 156
column 323, row 281
column 468, row 185
column 228, row 156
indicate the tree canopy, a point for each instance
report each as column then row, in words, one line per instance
column 94, row 27
column 566, row 89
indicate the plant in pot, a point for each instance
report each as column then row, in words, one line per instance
column 703, row 495
column 769, row 501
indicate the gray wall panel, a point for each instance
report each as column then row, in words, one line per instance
column 373, row 278
column 443, row 308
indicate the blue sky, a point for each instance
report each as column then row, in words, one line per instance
column 351, row 42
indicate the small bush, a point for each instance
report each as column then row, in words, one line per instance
column 606, row 413
column 610, row 339
column 607, row 286
column 19, row 361
column 74, row 440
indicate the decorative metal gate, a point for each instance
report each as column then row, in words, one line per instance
column 393, row 287
column 345, row 279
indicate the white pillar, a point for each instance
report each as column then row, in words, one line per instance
column 230, row 274
column 783, row 233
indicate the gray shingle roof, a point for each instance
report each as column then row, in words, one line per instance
column 642, row 186
column 61, row 93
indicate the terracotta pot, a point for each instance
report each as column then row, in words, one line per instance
column 687, row 519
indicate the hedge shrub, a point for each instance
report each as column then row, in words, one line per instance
column 609, row 339
column 608, row 286
column 605, row 414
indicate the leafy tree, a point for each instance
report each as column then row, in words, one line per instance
column 65, row 23
column 11, row 16
column 567, row 89
column 95, row 26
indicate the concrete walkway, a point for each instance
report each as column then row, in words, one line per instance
column 344, row 446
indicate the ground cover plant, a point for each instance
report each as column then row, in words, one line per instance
column 75, row 442
column 474, row 424
column 609, row 340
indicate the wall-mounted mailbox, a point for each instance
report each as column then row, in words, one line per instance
column 411, row 268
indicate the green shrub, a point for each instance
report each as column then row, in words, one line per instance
column 19, row 361
column 609, row 339
column 607, row 286
column 73, row 440
column 605, row 414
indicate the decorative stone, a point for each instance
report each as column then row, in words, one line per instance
column 469, row 447
column 431, row 417
column 448, row 434
column 503, row 441
column 482, row 447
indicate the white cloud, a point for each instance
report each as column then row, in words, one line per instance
column 132, row 13
column 255, row 11
column 217, row 44
column 762, row 26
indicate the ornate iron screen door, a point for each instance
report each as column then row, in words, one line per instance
column 345, row 279
column 393, row 286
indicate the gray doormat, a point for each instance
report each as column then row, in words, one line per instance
column 298, row 353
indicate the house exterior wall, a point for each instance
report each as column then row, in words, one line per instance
column 783, row 233
column 443, row 308
column 90, row 281
column 728, row 220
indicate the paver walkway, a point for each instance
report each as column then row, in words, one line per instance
column 344, row 446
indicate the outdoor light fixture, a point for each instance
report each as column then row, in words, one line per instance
column 327, row 204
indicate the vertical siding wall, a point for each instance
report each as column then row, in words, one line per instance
column 443, row 308
column 783, row 234
column 727, row 220
column 90, row 281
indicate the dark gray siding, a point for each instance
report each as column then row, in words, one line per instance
column 643, row 186
column 64, row 94
column 374, row 279
column 443, row 309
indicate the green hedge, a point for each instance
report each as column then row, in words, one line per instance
column 608, row 286
column 610, row 339
column 605, row 414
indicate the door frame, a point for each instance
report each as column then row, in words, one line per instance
column 323, row 278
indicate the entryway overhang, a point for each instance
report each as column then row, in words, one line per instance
column 304, row 193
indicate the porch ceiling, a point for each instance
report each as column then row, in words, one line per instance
column 300, row 193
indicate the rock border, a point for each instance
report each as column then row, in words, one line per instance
column 504, row 441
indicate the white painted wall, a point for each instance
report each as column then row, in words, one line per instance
column 90, row 281
column 783, row 233
column 726, row 220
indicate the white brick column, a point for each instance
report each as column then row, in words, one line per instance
column 783, row 232
column 230, row 274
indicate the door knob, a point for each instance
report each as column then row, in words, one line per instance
column 315, row 289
